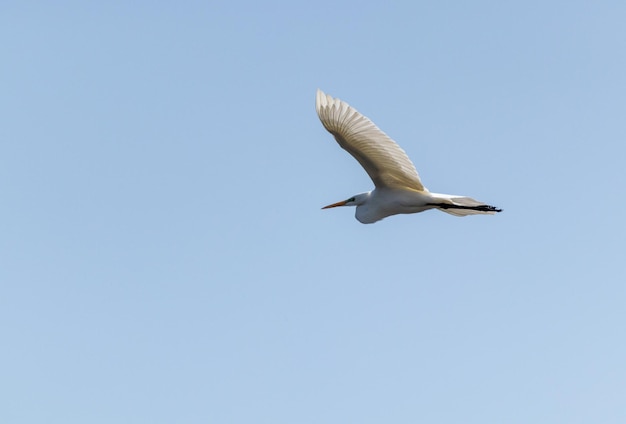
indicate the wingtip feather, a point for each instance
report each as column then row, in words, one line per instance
column 320, row 100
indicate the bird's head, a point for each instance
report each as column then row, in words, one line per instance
column 355, row 200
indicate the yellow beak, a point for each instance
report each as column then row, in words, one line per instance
column 334, row 205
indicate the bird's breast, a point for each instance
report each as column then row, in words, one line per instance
column 387, row 202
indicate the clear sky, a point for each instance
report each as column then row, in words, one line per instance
column 164, row 258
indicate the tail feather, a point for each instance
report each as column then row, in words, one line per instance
column 463, row 206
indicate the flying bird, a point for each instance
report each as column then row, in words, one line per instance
column 398, row 188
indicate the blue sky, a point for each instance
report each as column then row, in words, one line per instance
column 164, row 257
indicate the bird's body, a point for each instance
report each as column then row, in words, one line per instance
column 399, row 189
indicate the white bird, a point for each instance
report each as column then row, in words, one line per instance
column 399, row 189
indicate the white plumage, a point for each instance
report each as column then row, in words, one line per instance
column 398, row 189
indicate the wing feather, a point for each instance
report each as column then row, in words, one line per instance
column 381, row 157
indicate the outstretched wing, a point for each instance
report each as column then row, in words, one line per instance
column 381, row 157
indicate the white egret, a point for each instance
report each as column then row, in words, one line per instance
column 398, row 188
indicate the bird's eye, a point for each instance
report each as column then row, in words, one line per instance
column 351, row 199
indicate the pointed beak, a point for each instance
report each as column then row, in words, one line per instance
column 334, row 205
